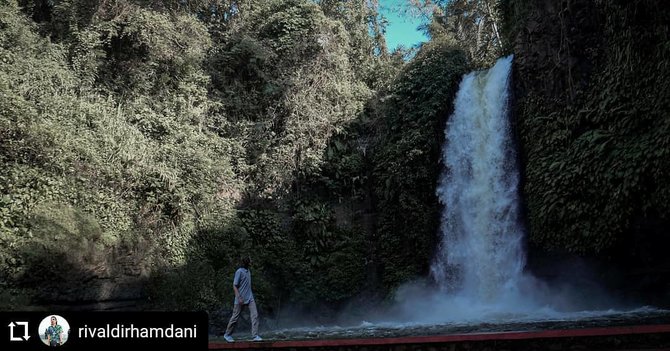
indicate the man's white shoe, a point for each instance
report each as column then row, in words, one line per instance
column 228, row 338
column 257, row 338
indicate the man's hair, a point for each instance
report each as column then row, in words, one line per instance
column 245, row 261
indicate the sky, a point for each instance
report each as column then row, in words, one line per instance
column 401, row 29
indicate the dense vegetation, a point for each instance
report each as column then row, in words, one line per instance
column 593, row 104
column 146, row 145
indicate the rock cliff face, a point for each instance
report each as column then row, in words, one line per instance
column 592, row 87
column 558, row 47
column 87, row 279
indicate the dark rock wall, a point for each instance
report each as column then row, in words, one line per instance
column 592, row 109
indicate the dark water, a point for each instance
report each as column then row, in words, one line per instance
column 643, row 316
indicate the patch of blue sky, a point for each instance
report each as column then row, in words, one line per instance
column 402, row 28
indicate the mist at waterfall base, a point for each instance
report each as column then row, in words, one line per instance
column 478, row 272
column 479, row 266
column 477, row 280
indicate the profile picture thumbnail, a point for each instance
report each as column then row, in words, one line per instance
column 54, row 330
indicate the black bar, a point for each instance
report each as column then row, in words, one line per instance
column 105, row 330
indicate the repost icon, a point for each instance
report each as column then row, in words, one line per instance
column 18, row 331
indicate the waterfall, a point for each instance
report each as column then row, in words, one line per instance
column 481, row 252
column 479, row 263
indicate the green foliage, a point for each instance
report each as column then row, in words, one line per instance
column 473, row 26
column 194, row 286
column 597, row 152
column 156, row 142
column 346, row 174
column 286, row 79
column 286, row 85
column 87, row 172
column 367, row 52
column 405, row 158
column 337, row 275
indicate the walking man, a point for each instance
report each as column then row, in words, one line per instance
column 243, row 297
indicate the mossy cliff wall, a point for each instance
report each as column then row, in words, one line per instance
column 592, row 102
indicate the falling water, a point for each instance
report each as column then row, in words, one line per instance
column 480, row 261
column 481, row 253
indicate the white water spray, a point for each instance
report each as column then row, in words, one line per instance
column 479, row 264
column 481, row 254
column 480, row 261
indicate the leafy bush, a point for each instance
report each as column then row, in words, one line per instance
column 595, row 143
column 406, row 157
